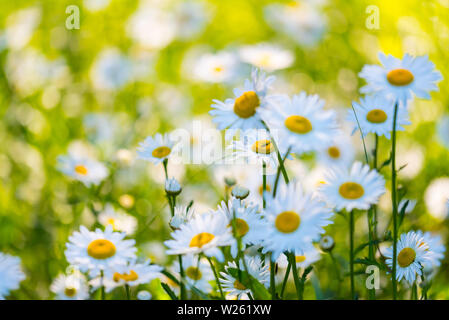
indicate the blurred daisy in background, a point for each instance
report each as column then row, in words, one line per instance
column 111, row 70
column 412, row 253
column 301, row 123
column 197, row 272
column 11, row 274
column 96, row 5
column 339, row 153
column 303, row 260
column 118, row 219
column 354, row 188
column 443, row 131
column 397, row 79
column 70, row 287
column 294, row 219
column 255, row 147
column 242, row 112
column 191, row 18
column 233, row 287
column 99, row 251
column 134, row 273
column 375, row 115
column 213, row 67
column 248, row 223
column 156, row 149
column 302, row 21
column 88, row 171
column 267, row 56
column 436, row 198
column 205, row 233
column 20, row 27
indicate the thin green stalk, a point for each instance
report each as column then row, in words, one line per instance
column 216, row 277
column 102, row 293
column 414, row 295
column 298, row 282
column 394, row 200
column 284, row 283
column 165, row 163
column 128, row 295
column 351, row 252
column 278, row 173
column 264, row 183
column 272, row 279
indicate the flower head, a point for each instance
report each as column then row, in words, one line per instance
column 88, row 171
column 156, row 149
column 11, row 274
column 70, row 287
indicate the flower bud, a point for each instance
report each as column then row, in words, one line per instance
column 327, row 243
column 240, row 192
column 230, row 181
column 172, row 187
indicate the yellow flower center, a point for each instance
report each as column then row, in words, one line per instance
column 80, row 169
column 287, row 221
column 238, row 285
column 161, row 152
column 132, row 276
column 267, row 188
column 241, row 227
column 406, row 257
column 201, row 239
column 218, row 69
column 298, row 124
column 400, row 77
column 300, row 259
column 70, row 292
column 101, row 249
column 111, row 221
column 245, row 105
column 333, row 152
column 194, row 273
column 262, row 146
column 376, row 116
column 351, row 190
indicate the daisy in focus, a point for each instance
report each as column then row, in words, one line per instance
column 99, row 251
column 399, row 79
column 11, row 274
column 70, row 287
column 248, row 223
column 375, row 114
column 242, row 112
column 156, row 149
column 205, row 233
column 198, row 273
column 233, row 286
column 267, row 57
column 301, row 123
column 119, row 220
column 294, row 220
column 354, row 188
column 412, row 253
column 88, row 171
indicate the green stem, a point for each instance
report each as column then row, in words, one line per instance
column 216, row 277
column 298, row 282
column 102, row 293
column 351, row 252
column 264, row 183
column 272, row 279
column 284, row 283
column 278, row 173
column 414, row 291
column 165, row 163
column 128, row 296
column 394, row 200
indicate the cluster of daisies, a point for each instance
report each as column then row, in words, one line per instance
column 237, row 249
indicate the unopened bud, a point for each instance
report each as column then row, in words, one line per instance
column 327, row 243
column 172, row 187
column 240, row 192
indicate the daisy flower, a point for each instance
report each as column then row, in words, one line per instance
column 412, row 253
column 301, row 123
column 99, row 251
column 205, row 233
column 375, row 114
column 215, row 67
column 156, row 149
column 294, row 219
column 233, row 286
column 11, row 274
column 88, row 171
column 119, row 220
column 197, row 273
column 249, row 224
column 354, row 188
column 303, row 260
column 398, row 79
column 340, row 152
column 134, row 273
column 182, row 215
column 256, row 147
column 436, row 249
column 267, row 56
column 70, row 287
column 242, row 112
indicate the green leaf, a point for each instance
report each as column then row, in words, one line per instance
column 258, row 289
column 169, row 291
